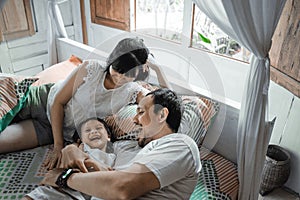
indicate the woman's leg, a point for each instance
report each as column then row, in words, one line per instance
column 18, row 136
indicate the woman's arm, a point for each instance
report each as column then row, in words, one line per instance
column 74, row 80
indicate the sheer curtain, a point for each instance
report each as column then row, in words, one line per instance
column 56, row 29
column 251, row 23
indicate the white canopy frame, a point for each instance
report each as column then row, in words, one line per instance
column 56, row 29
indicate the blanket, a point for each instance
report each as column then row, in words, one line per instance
column 22, row 171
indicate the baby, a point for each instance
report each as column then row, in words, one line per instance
column 94, row 136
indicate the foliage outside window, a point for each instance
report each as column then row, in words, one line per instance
column 162, row 18
column 207, row 36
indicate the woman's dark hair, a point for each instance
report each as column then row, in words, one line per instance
column 166, row 98
column 128, row 54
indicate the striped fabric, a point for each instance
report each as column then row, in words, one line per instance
column 218, row 178
column 13, row 94
column 197, row 116
column 122, row 125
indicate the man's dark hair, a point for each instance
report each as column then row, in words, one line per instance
column 167, row 98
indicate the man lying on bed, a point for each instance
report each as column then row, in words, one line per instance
column 166, row 168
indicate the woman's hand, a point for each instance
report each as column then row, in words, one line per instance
column 161, row 77
column 73, row 157
column 53, row 159
column 151, row 63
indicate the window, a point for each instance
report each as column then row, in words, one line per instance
column 16, row 20
column 207, row 36
column 160, row 18
column 164, row 19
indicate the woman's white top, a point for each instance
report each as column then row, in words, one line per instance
column 92, row 99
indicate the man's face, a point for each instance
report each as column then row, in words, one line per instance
column 94, row 134
column 149, row 121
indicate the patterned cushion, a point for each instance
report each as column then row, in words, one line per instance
column 122, row 125
column 197, row 116
column 13, row 94
column 218, row 178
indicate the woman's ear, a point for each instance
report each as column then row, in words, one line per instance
column 164, row 112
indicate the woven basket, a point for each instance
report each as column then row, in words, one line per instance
column 276, row 170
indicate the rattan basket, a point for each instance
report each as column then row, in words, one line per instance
column 276, row 170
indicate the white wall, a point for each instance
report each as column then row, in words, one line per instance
column 29, row 55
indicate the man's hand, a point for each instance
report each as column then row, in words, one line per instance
column 73, row 157
column 51, row 177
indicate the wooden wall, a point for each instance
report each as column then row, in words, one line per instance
column 285, row 50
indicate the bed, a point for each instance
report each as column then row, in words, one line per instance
column 22, row 171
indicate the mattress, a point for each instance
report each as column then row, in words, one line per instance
column 21, row 172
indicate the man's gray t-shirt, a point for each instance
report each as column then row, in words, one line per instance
column 175, row 161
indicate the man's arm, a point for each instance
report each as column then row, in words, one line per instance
column 128, row 184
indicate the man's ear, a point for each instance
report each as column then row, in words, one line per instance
column 164, row 112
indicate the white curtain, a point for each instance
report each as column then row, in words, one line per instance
column 252, row 24
column 56, row 29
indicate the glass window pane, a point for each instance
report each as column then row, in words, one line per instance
column 162, row 18
column 207, row 36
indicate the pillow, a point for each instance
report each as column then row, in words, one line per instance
column 58, row 71
column 122, row 125
column 198, row 115
column 13, row 94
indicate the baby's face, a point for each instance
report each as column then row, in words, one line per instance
column 94, row 134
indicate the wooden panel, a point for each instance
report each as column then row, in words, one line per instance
column 14, row 16
column 285, row 50
column 113, row 13
column 16, row 20
column 279, row 105
column 29, row 50
column 291, row 141
column 285, row 81
column 66, row 12
column 30, row 71
column 30, row 62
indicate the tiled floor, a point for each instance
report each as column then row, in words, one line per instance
column 279, row 194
